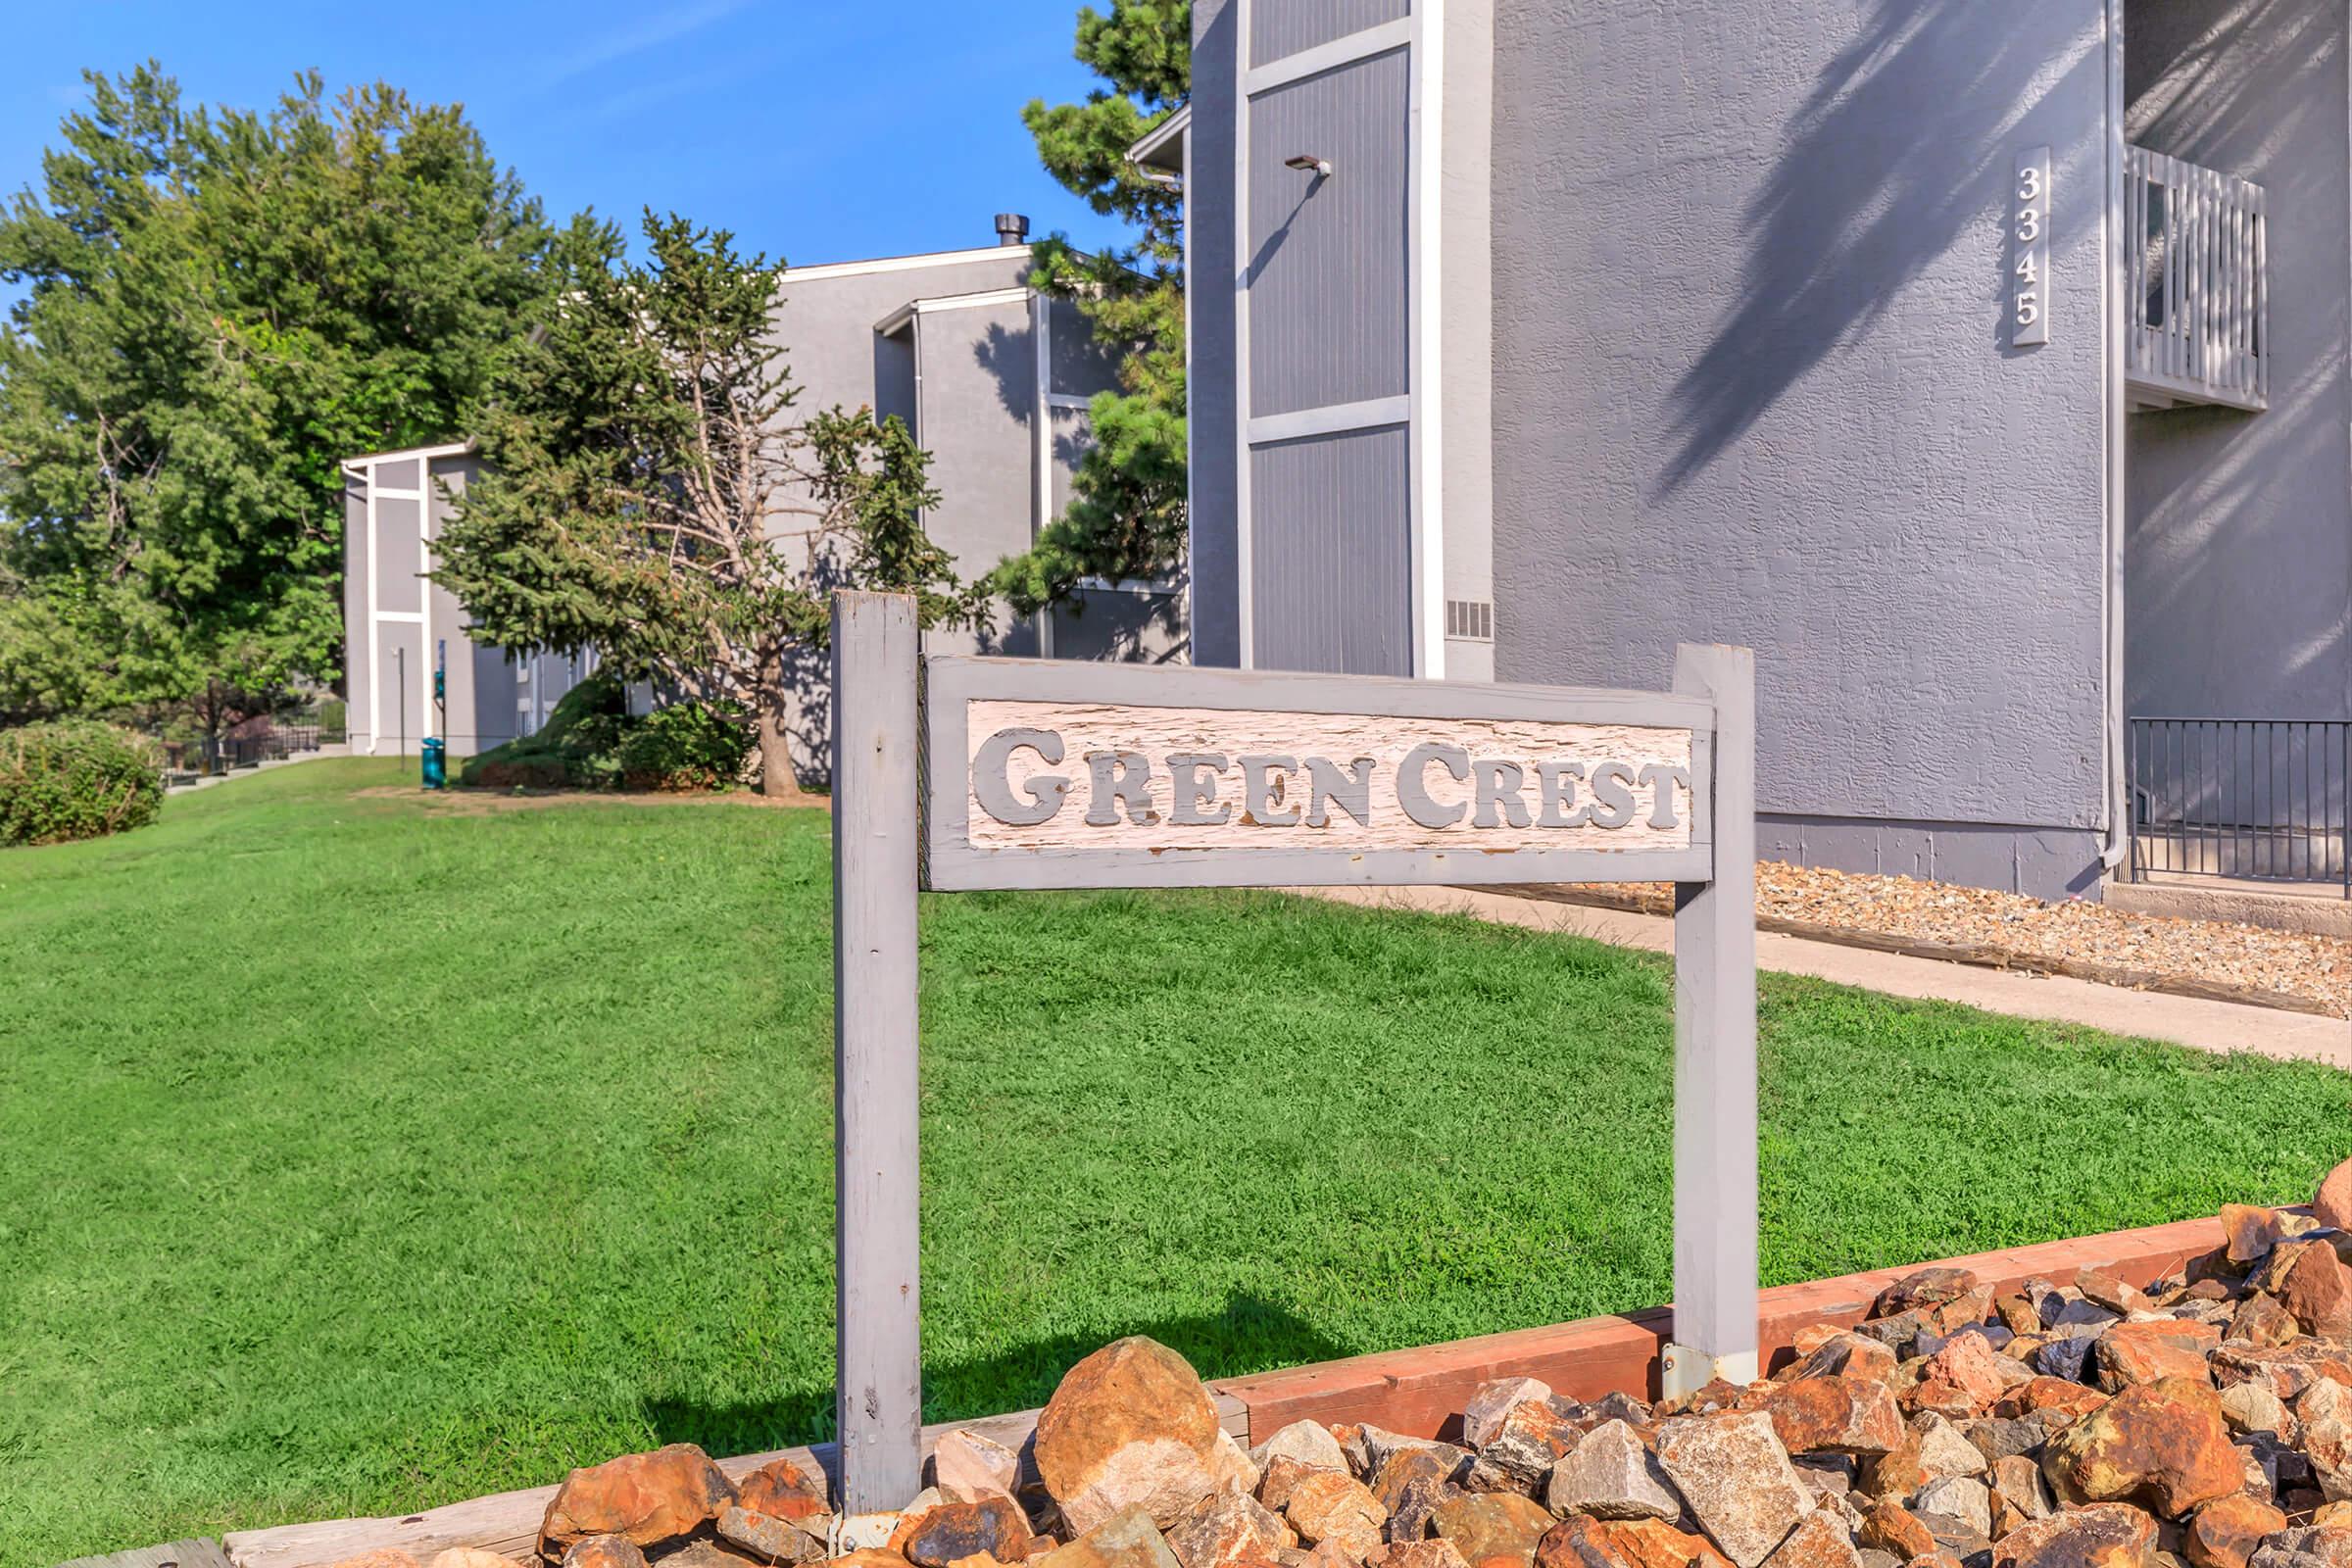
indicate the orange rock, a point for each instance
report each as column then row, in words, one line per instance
column 604, row 1551
column 2162, row 1442
column 1891, row 1527
column 1492, row 1526
column 2108, row 1535
column 1416, row 1554
column 1928, row 1286
column 1819, row 1541
column 1835, row 1416
column 1225, row 1530
column 2050, row 1394
column 1962, row 1379
column 2318, row 1291
column 2130, row 1353
column 2334, row 1205
column 2225, row 1532
column 645, row 1496
column 1131, row 1424
column 1654, row 1543
column 782, row 1490
column 2261, row 1320
column 1326, row 1506
column 380, row 1557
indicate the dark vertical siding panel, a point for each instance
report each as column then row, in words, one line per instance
column 1080, row 366
column 1212, row 377
column 1327, row 260
column 1282, row 27
column 1331, row 554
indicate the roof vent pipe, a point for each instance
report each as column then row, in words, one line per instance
column 1012, row 229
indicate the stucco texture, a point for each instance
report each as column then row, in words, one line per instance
column 2239, row 566
column 1753, row 385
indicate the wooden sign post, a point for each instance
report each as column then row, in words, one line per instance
column 1028, row 773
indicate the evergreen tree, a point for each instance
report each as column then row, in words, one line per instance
column 1126, row 516
column 651, row 492
column 220, row 306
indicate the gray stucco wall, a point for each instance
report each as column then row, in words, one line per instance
column 1212, row 381
column 1752, row 385
column 2239, row 566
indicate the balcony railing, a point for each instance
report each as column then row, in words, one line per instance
column 2197, row 285
column 2249, row 799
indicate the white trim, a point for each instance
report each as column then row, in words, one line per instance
column 895, row 323
column 390, row 494
column 404, row 618
column 1158, row 586
column 375, row 644
column 899, row 264
column 364, row 460
column 1245, row 597
column 1041, row 422
column 1177, row 125
column 2114, row 397
column 1331, row 420
column 1346, row 51
column 1425, row 319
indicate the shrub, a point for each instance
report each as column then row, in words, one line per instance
column 76, row 779
column 687, row 746
column 573, row 749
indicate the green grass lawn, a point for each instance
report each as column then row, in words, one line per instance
column 359, row 1154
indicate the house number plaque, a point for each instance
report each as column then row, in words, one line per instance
column 2030, row 235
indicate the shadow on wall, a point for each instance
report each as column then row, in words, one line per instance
column 1902, row 143
column 2236, row 558
column 1010, row 360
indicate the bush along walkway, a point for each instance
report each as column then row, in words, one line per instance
column 2205, row 1419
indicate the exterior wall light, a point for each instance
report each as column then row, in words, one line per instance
column 1308, row 164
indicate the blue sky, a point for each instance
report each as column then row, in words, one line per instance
column 816, row 129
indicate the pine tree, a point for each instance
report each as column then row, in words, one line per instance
column 651, row 493
column 1126, row 516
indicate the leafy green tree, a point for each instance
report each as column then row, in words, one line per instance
column 220, row 305
column 651, row 493
column 1126, row 516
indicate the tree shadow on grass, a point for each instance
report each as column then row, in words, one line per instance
column 1249, row 1335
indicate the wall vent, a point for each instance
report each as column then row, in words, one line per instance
column 1470, row 621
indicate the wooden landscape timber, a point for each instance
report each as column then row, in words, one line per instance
column 1418, row 1392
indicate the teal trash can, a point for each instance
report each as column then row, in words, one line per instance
column 436, row 763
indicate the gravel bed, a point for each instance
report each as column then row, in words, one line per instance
column 2297, row 964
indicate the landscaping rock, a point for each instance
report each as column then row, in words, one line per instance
column 1644, row 1543
column 380, row 1557
column 2287, row 1370
column 969, row 1466
column 1226, row 1529
column 2261, row 1320
column 600, row 1551
column 948, row 1531
column 1411, row 1486
column 470, row 1557
column 1483, row 1416
column 2162, row 1442
column 1310, row 1443
column 2316, row 1291
column 1492, row 1529
column 1932, row 1449
column 647, row 1497
column 1416, row 1554
column 782, row 1490
column 1131, row 1426
column 1736, row 1477
column 765, row 1536
column 1892, row 1527
column 1964, row 1498
column 1928, row 1286
column 866, row 1557
column 2226, row 1532
column 2312, row 1546
column 1577, row 1542
column 1836, row 1414
column 1819, row 1541
column 1610, row 1475
column 2332, row 1207
column 1326, row 1506
column 2110, row 1535
column 2131, row 1353
column 1530, row 1439
column 1128, row 1539
column 702, row 1551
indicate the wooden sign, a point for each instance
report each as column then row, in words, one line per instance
column 1044, row 774
column 1030, row 773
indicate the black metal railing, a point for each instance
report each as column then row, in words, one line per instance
column 2256, row 800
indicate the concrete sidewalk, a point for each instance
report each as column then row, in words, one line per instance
column 214, row 780
column 2216, row 1026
